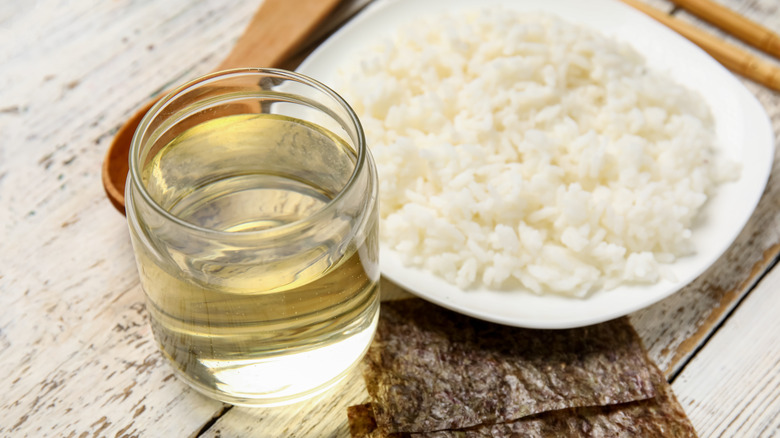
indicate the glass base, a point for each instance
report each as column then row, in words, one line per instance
column 283, row 379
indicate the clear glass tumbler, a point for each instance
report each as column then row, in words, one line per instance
column 252, row 208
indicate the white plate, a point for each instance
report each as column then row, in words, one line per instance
column 742, row 127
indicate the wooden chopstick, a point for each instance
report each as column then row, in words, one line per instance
column 743, row 28
column 732, row 57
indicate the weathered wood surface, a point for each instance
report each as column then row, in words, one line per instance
column 676, row 327
column 730, row 388
column 78, row 355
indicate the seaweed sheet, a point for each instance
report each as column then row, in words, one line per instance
column 660, row 417
column 430, row 369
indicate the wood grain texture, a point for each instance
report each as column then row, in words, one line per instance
column 674, row 328
column 78, row 355
column 735, row 24
column 276, row 31
column 731, row 387
column 731, row 56
column 77, row 350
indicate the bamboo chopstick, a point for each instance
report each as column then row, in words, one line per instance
column 743, row 28
column 730, row 56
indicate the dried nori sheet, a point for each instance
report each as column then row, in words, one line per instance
column 431, row 369
column 657, row 417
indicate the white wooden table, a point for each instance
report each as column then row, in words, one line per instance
column 77, row 356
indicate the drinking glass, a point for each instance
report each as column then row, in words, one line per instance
column 252, row 208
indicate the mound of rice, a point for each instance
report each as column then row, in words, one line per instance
column 521, row 148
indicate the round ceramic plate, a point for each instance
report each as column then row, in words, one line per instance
column 742, row 127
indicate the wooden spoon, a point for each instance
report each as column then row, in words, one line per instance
column 276, row 30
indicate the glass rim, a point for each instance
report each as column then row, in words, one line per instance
column 157, row 108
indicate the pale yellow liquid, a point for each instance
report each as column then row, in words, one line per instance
column 258, row 329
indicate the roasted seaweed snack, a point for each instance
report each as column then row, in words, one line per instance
column 430, row 369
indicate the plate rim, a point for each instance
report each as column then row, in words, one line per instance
column 758, row 124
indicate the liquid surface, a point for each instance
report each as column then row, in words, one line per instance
column 247, row 321
column 249, row 172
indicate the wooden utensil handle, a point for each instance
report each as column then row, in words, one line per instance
column 730, row 56
column 268, row 43
column 743, row 28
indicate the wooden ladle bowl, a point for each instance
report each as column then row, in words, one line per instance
column 276, row 30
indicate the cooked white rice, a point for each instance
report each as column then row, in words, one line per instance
column 515, row 147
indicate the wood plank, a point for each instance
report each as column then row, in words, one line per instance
column 732, row 386
column 674, row 328
column 77, row 350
